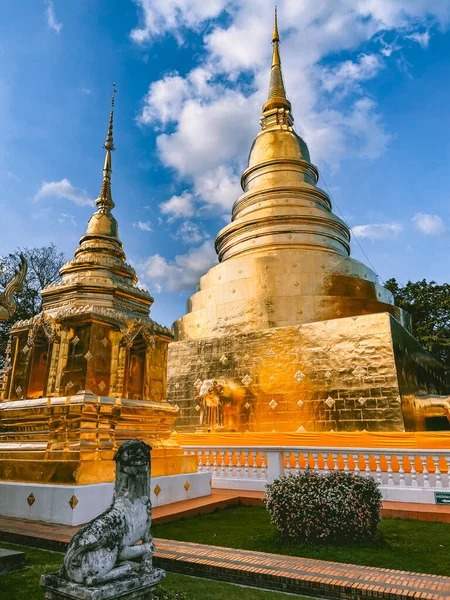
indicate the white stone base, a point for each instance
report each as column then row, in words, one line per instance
column 52, row 503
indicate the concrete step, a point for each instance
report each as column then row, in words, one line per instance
column 11, row 560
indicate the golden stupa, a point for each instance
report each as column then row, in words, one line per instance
column 89, row 371
column 288, row 332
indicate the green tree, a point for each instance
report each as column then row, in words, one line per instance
column 428, row 303
column 43, row 268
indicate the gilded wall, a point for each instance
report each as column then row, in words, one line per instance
column 336, row 375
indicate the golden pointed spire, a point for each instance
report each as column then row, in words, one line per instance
column 104, row 201
column 277, row 93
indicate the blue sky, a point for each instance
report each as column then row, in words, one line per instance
column 369, row 81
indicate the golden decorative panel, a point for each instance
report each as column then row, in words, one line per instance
column 157, row 490
column 73, row 502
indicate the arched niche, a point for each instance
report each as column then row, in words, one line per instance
column 40, row 363
column 135, row 367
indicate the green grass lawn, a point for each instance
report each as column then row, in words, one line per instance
column 408, row 545
column 24, row 585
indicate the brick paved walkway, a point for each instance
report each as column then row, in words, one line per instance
column 285, row 573
column 298, row 575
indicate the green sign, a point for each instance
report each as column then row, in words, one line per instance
column 442, row 497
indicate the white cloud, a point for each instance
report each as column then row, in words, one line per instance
column 180, row 274
column 423, row 39
column 429, row 224
column 377, row 231
column 160, row 16
column 190, row 233
column 52, row 21
column 67, row 217
column 143, row 225
column 65, row 190
column 349, row 73
column 178, row 206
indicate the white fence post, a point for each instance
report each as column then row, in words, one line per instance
column 275, row 467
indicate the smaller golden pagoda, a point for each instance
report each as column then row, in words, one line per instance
column 89, row 371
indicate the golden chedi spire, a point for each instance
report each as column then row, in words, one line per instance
column 285, row 256
column 104, row 201
column 277, row 92
column 99, row 262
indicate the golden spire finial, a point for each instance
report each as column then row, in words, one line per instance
column 275, row 35
column 277, row 93
column 104, row 201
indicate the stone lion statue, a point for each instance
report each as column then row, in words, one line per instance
column 107, row 549
column 7, row 304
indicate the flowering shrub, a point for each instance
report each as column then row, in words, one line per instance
column 332, row 508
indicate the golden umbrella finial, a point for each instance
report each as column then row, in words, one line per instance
column 104, row 201
column 275, row 35
column 277, row 94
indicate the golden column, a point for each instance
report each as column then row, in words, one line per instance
column 294, row 330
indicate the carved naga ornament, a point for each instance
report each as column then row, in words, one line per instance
column 7, row 304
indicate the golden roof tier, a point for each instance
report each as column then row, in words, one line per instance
column 98, row 275
column 285, row 256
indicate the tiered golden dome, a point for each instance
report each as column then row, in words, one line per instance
column 285, row 256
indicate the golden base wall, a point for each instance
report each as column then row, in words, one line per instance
column 352, row 374
column 73, row 439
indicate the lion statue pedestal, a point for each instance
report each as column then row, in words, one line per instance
column 112, row 556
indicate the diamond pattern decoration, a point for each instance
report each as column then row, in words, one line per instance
column 299, row 376
column 31, row 499
column 273, row 404
column 199, row 362
column 247, row 406
column 233, row 291
column 73, row 502
column 157, row 490
column 328, row 375
column 75, row 340
column 271, row 353
column 330, row 402
column 223, row 359
column 69, row 385
column 88, row 355
column 362, row 401
column 300, row 403
column 198, row 407
column 176, row 407
column 296, row 284
column 272, row 378
column 102, row 385
column 359, row 371
column 18, row 390
column 187, row 485
column 177, row 386
column 26, row 349
column 105, row 341
column 197, row 383
column 246, row 380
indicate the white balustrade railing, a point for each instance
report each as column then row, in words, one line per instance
column 404, row 475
